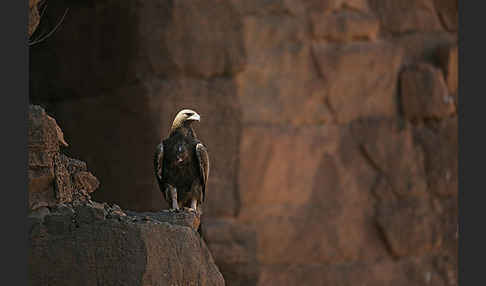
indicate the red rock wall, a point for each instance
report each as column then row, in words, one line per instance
column 331, row 126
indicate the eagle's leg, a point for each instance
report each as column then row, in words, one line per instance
column 173, row 196
column 196, row 191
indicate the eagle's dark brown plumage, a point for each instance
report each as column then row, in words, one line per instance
column 182, row 164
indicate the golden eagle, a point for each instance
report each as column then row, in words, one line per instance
column 182, row 164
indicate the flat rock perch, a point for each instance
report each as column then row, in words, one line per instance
column 182, row 217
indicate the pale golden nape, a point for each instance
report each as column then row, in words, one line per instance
column 183, row 116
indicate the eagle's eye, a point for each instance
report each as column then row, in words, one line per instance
column 189, row 114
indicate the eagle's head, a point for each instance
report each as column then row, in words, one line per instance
column 184, row 118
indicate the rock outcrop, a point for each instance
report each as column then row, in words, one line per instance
column 54, row 177
column 74, row 240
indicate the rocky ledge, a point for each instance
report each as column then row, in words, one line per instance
column 92, row 243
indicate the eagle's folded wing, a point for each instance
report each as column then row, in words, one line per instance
column 203, row 159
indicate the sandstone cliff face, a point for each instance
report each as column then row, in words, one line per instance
column 76, row 241
column 331, row 127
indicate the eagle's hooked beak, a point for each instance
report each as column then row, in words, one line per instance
column 195, row 117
